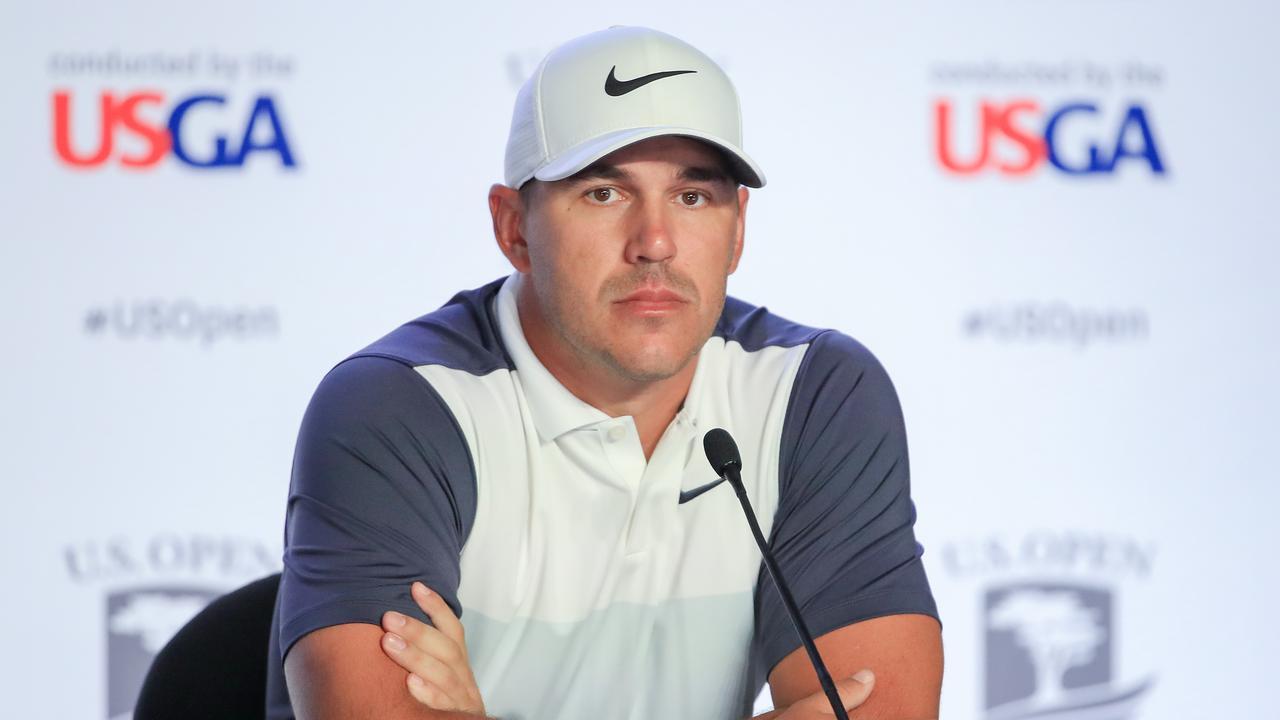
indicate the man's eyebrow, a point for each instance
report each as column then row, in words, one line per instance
column 598, row 171
column 694, row 173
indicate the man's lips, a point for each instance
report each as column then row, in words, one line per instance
column 648, row 295
column 652, row 302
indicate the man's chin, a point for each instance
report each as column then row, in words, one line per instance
column 649, row 366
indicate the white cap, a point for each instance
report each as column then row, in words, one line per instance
column 603, row 91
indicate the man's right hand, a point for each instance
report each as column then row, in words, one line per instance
column 853, row 692
column 358, row 670
column 439, row 668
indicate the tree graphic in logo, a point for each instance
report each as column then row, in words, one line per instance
column 1048, row 653
column 155, row 617
column 1057, row 630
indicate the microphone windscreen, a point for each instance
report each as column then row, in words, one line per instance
column 722, row 451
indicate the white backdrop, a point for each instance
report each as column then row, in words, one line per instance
column 1086, row 362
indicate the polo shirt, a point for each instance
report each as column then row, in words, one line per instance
column 446, row 452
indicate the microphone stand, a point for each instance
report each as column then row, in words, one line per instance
column 824, row 678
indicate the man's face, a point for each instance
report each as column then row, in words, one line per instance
column 628, row 259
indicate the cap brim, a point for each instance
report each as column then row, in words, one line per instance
column 589, row 151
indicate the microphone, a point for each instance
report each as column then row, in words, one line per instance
column 722, row 453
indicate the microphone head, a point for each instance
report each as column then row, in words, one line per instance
column 722, row 451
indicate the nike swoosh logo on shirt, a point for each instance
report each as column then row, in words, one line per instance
column 615, row 87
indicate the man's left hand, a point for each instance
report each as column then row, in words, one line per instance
column 440, row 674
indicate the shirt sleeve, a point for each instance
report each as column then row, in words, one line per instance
column 382, row 494
column 842, row 533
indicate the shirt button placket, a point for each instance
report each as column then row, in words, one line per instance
column 629, row 463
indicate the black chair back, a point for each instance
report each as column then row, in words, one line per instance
column 215, row 668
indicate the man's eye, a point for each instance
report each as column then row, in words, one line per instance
column 604, row 195
column 693, row 198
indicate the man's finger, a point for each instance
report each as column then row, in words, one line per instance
column 440, row 613
column 430, row 695
column 424, row 637
column 437, row 673
column 854, row 690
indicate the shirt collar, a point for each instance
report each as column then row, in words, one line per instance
column 555, row 410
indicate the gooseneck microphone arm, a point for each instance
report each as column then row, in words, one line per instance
column 722, row 453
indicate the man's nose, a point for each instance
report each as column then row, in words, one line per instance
column 650, row 238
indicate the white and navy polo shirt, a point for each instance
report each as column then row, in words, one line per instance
column 445, row 452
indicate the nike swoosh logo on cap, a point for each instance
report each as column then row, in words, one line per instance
column 615, row 87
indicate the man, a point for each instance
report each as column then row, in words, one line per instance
column 520, row 452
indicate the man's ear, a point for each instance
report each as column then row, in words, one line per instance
column 508, row 212
column 741, row 230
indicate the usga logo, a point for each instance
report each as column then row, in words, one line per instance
column 261, row 132
column 1051, row 625
column 1036, row 135
column 148, row 588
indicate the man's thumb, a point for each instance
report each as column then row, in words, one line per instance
column 855, row 690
